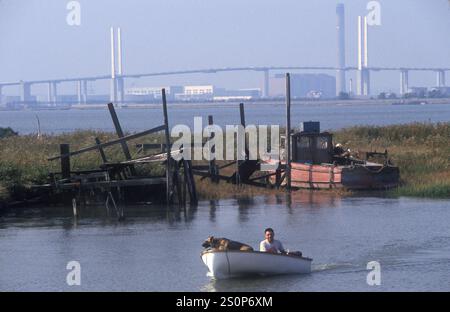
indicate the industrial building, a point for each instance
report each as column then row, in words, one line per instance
column 191, row 93
column 152, row 93
column 304, row 86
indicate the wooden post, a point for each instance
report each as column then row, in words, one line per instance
column 101, row 151
column 288, row 130
column 187, row 164
column 119, row 131
column 239, row 162
column 184, row 185
column 242, row 113
column 167, row 136
column 120, row 134
column 212, row 163
column 65, row 161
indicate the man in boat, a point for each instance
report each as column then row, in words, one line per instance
column 339, row 152
column 270, row 244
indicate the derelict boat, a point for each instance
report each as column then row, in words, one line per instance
column 315, row 165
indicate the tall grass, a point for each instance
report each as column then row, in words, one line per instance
column 23, row 159
column 422, row 151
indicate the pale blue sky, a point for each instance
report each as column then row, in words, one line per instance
column 164, row 35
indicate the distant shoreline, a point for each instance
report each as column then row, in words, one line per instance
column 355, row 102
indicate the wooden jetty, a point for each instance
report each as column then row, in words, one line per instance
column 113, row 181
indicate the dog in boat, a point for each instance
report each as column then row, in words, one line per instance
column 225, row 244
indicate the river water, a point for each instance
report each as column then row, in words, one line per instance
column 158, row 249
column 332, row 116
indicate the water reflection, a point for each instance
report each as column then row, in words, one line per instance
column 256, row 283
column 305, row 199
column 296, row 202
column 212, row 210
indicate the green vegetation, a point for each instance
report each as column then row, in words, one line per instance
column 422, row 151
column 23, row 159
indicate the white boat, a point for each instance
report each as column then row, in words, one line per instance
column 226, row 264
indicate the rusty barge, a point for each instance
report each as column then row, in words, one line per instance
column 316, row 163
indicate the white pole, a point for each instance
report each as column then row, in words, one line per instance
column 366, row 43
column 359, row 43
column 119, row 50
column 113, row 55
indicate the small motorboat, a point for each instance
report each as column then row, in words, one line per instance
column 228, row 264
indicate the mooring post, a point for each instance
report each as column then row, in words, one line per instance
column 212, row 162
column 242, row 113
column 65, row 160
column 288, row 130
column 239, row 162
column 168, row 148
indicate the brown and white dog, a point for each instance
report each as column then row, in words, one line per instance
column 225, row 244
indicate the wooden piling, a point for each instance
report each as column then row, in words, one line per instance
column 65, row 160
column 168, row 147
column 242, row 113
column 212, row 162
column 187, row 165
column 288, row 131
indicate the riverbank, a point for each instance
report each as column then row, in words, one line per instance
column 421, row 151
column 256, row 102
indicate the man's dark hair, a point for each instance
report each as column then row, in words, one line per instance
column 268, row 230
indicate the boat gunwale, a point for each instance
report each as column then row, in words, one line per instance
column 254, row 252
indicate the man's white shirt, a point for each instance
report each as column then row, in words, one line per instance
column 276, row 245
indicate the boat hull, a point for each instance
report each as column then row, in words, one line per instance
column 327, row 176
column 228, row 264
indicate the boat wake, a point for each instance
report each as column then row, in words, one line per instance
column 331, row 266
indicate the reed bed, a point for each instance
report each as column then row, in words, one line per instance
column 421, row 150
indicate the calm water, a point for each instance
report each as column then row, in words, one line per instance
column 332, row 116
column 157, row 249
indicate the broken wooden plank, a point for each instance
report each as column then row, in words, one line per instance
column 110, row 143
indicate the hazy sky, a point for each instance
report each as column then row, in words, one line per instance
column 162, row 35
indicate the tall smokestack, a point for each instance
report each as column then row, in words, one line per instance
column 120, row 81
column 113, row 55
column 340, row 81
column 366, row 58
column 360, row 75
column 360, row 43
column 366, row 43
column 113, row 91
column 119, row 50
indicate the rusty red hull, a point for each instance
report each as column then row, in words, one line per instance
column 328, row 176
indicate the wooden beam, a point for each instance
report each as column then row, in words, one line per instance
column 110, row 143
column 119, row 131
